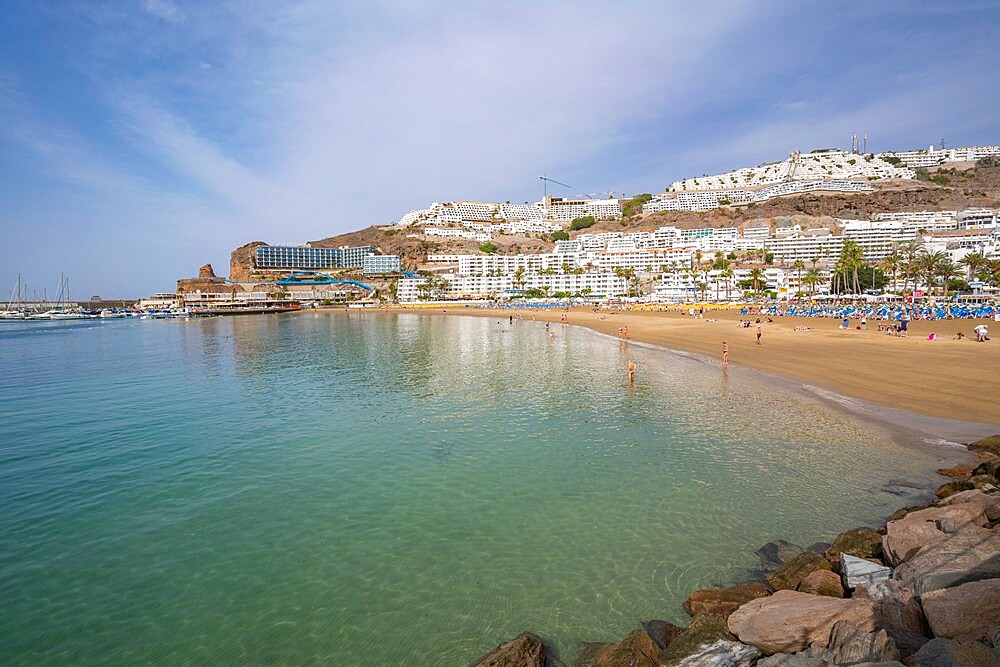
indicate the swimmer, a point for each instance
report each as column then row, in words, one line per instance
column 725, row 353
column 631, row 370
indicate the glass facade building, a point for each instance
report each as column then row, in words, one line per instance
column 381, row 264
column 304, row 257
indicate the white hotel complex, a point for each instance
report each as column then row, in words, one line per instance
column 672, row 263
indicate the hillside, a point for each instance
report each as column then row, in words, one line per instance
column 954, row 189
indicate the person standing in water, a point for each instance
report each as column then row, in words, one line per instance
column 725, row 353
column 631, row 370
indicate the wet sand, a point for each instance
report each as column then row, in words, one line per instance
column 950, row 379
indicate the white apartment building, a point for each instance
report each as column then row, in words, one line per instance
column 805, row 245
column 598, row 241
column 457, row 233
column 646, row 259
column 482, row 287
column 877, row 239
column 933, row 157
column 522, row 211
column 604, row 209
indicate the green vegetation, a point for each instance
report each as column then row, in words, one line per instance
column 559, row 236
column 489, row 248
column 633, row 207
column 582, row 222
column 893, row 160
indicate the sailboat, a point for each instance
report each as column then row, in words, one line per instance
column 12, row 312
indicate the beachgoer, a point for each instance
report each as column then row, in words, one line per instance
column 512, row 319
column 725, row 353
column 631, row 370
column 758, row 334
column 864, row 322
column 981, row 332
column 626, row 333
column 958, row 336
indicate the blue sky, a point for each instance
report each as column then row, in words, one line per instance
column 140, row 139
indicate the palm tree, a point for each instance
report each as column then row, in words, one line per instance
column 908, row 252
column 927, row 264
column 973, row 262
column 519, row 278
column 756, row 278
column 948, row 270
column 890, row 264
column 811, row 278
column 728, row 274
column 798, row 265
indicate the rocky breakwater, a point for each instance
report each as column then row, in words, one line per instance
column 923, row 590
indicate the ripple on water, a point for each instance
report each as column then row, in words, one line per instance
column 355, row 488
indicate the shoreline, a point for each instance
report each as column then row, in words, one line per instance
column 938, row 379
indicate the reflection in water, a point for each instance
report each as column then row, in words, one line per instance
column 292, row 488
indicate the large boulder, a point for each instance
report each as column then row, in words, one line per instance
column 722, row 653
column 967, row 612
column 989, row 502
column 703, row 630
column 960, row 471
column 860, row 572
column 206, row 272
column 905, row 537
column 860, row 542
column 638, row 649
column 775, row 554
column 849, row 646
column 789, row 621
column 990, row 445
column 723, row 601
column 822, row 582
column 950, row 653
column 791, row 574
column 970, row 555
column 525, row 650
column 898, row 613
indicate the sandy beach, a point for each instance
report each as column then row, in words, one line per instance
column 953, row 379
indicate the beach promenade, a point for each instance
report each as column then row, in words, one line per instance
column 954, row 379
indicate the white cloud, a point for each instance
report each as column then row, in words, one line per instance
column 162, row 9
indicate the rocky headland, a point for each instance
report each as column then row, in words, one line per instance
column 923, row 590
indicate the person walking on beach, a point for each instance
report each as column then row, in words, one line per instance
column 759, row 332
column 725, row 353
column 631, row 371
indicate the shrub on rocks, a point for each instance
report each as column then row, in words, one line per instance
column 988, row 468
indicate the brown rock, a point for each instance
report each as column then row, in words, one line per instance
column 525, row 650
column 822, row 582
column 970, row 555
column 860, row 542
column 789, row 621
column 775, row 554
column 990, row 504
column 962, row 470
column 206, row 272
column 662, row 632
column 702, row 630
column 588, row 653
column 636, row 650
column 949, row 488
column 904, row 511
column 969, row 612
column 906, row 536
column 722, row 602
column 991, row 467
column 791, row 574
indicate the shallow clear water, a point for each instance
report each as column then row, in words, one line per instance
column 390, row 489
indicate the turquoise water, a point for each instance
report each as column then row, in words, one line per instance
column 363, row 488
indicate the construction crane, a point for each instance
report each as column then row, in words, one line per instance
column 547, row 180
